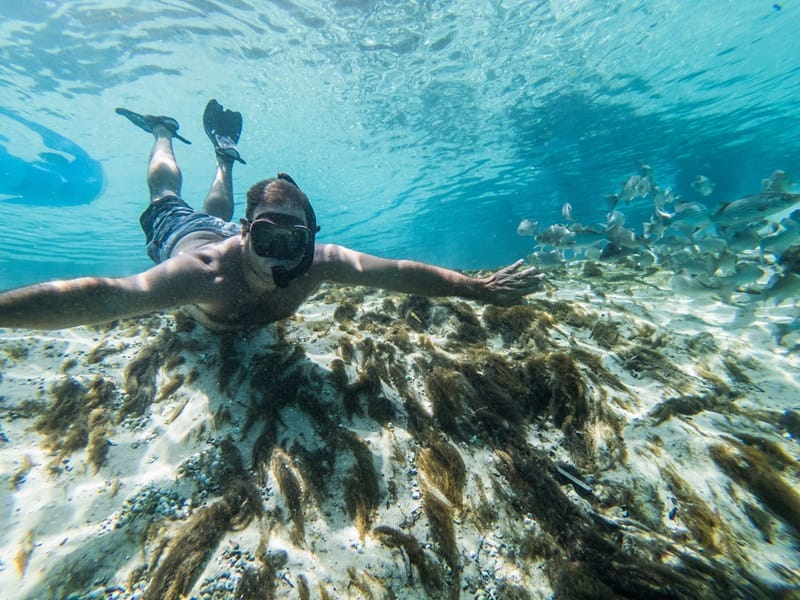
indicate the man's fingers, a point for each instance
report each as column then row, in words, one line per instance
column 513, row 267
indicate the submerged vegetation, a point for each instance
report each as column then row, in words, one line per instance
column 471, row 451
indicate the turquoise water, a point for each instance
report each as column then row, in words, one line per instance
column 631, row 430
column 425, row 130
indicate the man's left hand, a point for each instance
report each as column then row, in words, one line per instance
column 509, row 285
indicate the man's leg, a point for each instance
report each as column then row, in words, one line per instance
column 163, row 174
column 219, row 201
column 223, row 128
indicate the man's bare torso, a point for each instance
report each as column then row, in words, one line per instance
column 232, row 303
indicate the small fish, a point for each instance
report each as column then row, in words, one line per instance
column 779, row 182
column 725, row 263
column 671, row 243
column 644, row 187
column 566, row 211
column 782, row 330
column 744, row 239
column 747, row 272
column 782, row 287
column 555, row 235
column 615, row 219
column 711, row 244
column 527, row 227
column 662, row 197
column 753, row 209
column 644, row 259
column 635, row 186
column 696, row 265
column 612, row 200
column 703, row 185
column 584, row 238
column 691, row 286
column 624, row 237
column 790, row 260
column 786, row 235
column 547, row 258
column 689, row 216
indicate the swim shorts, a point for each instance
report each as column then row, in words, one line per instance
column 168, row 220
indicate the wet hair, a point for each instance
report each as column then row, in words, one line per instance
column 284, row 191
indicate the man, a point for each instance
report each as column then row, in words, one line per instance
column 232, row 277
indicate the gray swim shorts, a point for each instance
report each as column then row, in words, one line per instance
column 168, row 220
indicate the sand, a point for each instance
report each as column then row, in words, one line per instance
column 609, row 438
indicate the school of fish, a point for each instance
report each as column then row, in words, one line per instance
column 749, row 246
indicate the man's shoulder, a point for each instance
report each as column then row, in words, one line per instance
column 330, row 253
column 206, row 245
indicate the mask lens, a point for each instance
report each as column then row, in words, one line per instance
column 279, row 241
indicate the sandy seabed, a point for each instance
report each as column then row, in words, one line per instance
column 608, row 439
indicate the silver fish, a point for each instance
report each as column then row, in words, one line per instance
column 586, row 237
column 711, row 244
column 746, row 273
column 787, row 234
column 784, row 329
column 725, row 263
column 779, row 182
column 547, row 258
column 783, row 287
column 691, row 286
column 753, row 209
column 662, row 197
column 634, row 187
column 671, row 236
column 703, row 185
column 689, row 216
column 527, row 227
column 612, row 200
column 624, row 237
column 745, row 239
column 555, row 235
column 644, row 187
column 696, row 265
column 615, row 218
column 566, row 211
column 644, row 259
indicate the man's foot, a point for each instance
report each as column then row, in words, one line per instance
column 150, row 122
column 223, row 128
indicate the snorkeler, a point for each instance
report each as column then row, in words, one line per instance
column 230, row 276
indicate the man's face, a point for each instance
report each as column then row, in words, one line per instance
column 277, row 235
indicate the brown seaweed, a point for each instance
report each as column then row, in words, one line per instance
column 362, row 488
column 750, row 467
column 194, row 543
column 430, row 574
column 290, row 482
column 140, row 374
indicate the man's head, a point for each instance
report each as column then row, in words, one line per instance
column 282, row 225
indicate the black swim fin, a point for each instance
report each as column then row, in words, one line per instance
column 148, row 122
column 223, row 128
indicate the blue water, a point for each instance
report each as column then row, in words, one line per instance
column 419, row 129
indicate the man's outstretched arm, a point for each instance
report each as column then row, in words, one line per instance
column 505, row 287
column 91, row 300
